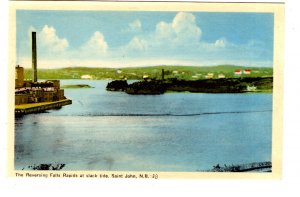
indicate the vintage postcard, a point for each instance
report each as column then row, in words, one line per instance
column 145, row 90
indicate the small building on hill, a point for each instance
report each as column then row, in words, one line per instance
column 247, row 72
column 86, row 77
column 238, row 72
column 221, row 76
column 209, row 75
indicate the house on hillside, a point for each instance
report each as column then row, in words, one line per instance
column 221, row 76
column 146, row 77
column 209, row 75
column 86, row 77
column 247, row 71
column 238, row 72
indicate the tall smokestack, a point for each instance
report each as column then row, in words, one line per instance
column 34, row 61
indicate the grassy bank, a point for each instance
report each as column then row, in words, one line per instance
column 154, row 72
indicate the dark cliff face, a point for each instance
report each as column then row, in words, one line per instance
column 207, row 86
column 118, row 85
column 229, row 85
column 140, row 87
column 146, row 87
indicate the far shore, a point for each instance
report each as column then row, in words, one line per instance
column 73, row 86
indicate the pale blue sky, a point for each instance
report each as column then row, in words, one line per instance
column 118, row 39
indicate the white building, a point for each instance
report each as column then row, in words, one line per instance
column 247, row 71
column 221, row 76
column 238, row 72
column 209, row 75
column 86, row 77
column 251, row 88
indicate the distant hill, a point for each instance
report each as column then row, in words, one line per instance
column 137, row 73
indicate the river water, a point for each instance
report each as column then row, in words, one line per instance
column 104, row 130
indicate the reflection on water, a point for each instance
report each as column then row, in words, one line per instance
column 172, row 132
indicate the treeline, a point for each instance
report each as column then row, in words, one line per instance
column 231, row 85
column 153, row 72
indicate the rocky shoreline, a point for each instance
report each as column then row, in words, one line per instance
column 250, row 167
column 228, row 85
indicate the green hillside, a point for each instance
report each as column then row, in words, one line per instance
column 137, row 73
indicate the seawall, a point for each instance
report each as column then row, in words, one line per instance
column 40, row 107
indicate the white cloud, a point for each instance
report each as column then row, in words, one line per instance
column 49, row 40
column 138, row 43
column 135, row 25
column 182, row 31
column 51, row 47
column 184, row 24
column 96, row 44
column 177, row 42
column 220, row 43
column 164, row 30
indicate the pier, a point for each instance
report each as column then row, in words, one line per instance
column 40, row 107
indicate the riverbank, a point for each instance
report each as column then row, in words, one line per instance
column 250, row 167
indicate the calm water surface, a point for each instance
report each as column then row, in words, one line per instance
column 172, row 132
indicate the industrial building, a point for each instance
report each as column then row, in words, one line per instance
column 33, row 91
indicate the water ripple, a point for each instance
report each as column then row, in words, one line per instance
column 171, row 114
